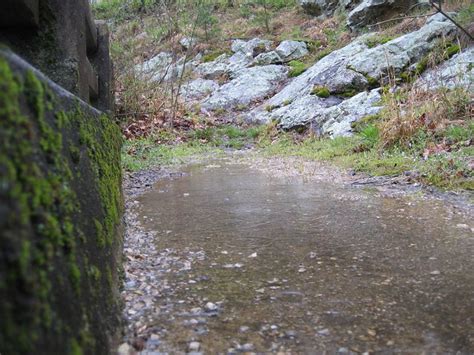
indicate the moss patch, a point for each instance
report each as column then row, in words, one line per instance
column 321, row 91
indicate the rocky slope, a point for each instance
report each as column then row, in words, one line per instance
column 254, row 81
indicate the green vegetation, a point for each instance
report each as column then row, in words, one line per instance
column 378, row 39
column 139, row 154
column 321, row 91
column 296, row 68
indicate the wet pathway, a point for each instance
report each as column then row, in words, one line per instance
column 230, row 259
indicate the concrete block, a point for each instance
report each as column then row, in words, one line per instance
column 19, row 13
column 92, row 80
column 104, row 67
column 91, row 31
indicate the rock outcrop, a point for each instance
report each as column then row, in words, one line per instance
column 371, row 11
column 455, row 72
column 246, row 86
column 347, row 71
column 326, row 7
column 291, row 50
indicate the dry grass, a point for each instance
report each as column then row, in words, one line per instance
column 406, row 113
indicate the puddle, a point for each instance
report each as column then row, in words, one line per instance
column 252, row 262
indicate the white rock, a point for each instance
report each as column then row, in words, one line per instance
column 194, row 346
column 248, row 85
column 290, row 50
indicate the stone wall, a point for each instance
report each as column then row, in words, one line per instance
column 60, row 218
column 60, row 182
column 60, row 38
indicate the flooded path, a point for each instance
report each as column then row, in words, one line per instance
column 228, row 258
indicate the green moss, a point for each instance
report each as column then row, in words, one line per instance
column 210, row 57
column 101, row 239
column 95, row 273
column 452, row 49
column 36, row 184
column 373, row 82
column 75, row 348
column 358, row 126
column 422, row 65
column 75, row 276
column 321, row 91
column 378, row 39
column 296, row 68
column 75, row 154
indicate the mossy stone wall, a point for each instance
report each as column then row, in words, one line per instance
column 60, row 218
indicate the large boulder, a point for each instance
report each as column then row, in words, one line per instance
column 198, row 89
column 456, row 72
column 271, row 57
column 297, row 113
column 326, row 7
column 163, row 67
column 399, row 53
column 319, row 7
column 247, row 86
column 371, row 11
column 251, row 48
column 214, row 69
column 336, row 121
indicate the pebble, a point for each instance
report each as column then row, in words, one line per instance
column 244, row 329
column 246, row 347
column 210, row 307
column 194, row 346
column 323, row 332
column 291, row 334
column 124, row 349
column 436, row 272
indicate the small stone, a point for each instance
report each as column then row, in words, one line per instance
column 390, row 343
column 323, row 332
column 124, row 349
column 211, row 307
column 254, row 255
column 462, row 226
column 194, row 346
column 275, row 281
column 260, row 290
column 244, row 329
column 246, row 347
column 301, row 270
column 436, row 272
column 291, row 334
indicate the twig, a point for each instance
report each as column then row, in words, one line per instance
column 400, row 18
column 437, row 6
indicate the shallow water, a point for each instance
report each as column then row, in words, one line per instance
column 300, row 267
